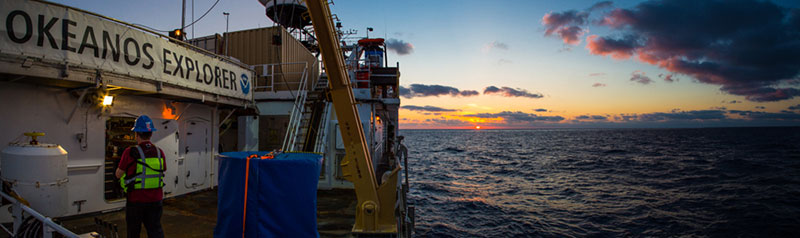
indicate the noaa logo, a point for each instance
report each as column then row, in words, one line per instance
column 245, row 84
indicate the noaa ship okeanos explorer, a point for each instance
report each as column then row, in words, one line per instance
column 72, row 83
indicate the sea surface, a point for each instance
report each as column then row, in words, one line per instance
column 720, row 182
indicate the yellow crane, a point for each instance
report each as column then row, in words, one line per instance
column 375, row 212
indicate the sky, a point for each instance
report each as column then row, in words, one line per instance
column 557, row 64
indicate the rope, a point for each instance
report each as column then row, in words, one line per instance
column 246, row 180
column 270, row 155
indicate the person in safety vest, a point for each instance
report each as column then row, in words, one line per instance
column 141, row 172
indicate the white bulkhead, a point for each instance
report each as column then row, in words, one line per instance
column 185, row 131
column 60, row 89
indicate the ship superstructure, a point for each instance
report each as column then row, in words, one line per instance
column 83, row 82
column 84, row 78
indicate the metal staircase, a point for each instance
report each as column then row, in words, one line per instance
column 308, row 121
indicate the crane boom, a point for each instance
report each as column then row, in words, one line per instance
column 375, row 209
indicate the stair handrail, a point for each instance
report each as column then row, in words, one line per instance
column 322, row 133
column 289, row 140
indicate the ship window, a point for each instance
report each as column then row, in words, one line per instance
column 118, row 137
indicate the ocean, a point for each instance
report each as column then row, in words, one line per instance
column 714, row 182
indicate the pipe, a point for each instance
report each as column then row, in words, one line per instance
column 80, row 100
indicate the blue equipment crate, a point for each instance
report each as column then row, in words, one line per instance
column 281, row 195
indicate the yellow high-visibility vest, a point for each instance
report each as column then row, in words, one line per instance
column 149, row 173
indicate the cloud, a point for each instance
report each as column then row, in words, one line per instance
column 705, row 115
column 468, row 93
column 785, row 115
column 706, row 118
column 674, row 115
column 669, row 78
column 762, row 107
column 795, row 107
column 399, row 46
column 640, row 77
column 596, row 74
column 510, row 92
column 748, row 48
column 615, row 48
column 540, row 110
column 447, row 122
column 428, row 108
column 500, row 45
column 422, row 90
column 516, row 117
column 598, row 85
column 591, row 117
column 494, row 45
column 732, row 102
column 504, row 61
column 571, row 35
column 405, row 92
column 718, row 117
column 601, row 5
column 567, row 25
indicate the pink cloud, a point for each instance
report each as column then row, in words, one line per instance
column 752, row 55
column 616, row 49
column 567, row 25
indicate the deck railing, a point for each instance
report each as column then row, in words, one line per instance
column 271, row 74
column 48, row 226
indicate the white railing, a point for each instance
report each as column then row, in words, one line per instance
column 48, row 226
column 298, row 109
column 274, row 72
column 322, row 131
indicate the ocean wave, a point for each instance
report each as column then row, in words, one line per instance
column 607, row 183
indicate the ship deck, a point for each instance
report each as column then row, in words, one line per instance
column 195, row 215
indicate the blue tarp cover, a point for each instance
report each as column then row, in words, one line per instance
column 281, row 195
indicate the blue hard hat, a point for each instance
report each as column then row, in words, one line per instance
column 143, row 124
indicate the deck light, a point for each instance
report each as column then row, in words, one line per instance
column 108, row 100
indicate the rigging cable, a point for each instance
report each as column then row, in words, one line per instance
column 153, row 29
column 190, row 24
column 204, row 14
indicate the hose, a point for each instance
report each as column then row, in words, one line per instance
column 27, row 228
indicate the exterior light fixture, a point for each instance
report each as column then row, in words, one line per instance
column 177, row 34
column 108, row 100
